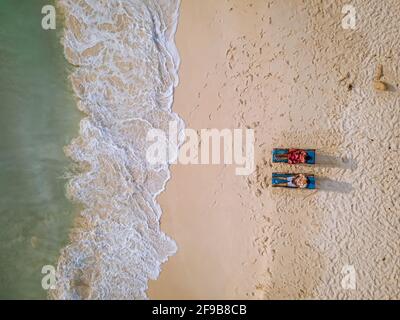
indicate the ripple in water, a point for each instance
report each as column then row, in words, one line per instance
column 126, row 70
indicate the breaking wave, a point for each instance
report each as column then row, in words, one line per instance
column 126, row 70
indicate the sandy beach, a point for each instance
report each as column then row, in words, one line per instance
column 289, row 70
column 96, row 201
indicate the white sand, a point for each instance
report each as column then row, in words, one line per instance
column 289, row 70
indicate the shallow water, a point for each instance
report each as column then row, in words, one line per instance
column 38, row 117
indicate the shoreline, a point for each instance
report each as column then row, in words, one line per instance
column 207, row 225
column 116, row 244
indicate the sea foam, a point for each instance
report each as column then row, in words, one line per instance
column 126, row 70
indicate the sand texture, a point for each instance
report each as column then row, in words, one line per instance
column 290, row 71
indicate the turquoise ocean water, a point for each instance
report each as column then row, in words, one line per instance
column 38, row 117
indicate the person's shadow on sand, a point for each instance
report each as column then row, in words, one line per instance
column 326, row 184
column 324, row 160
